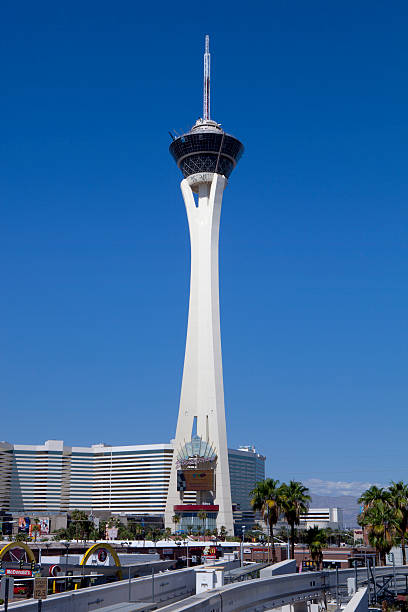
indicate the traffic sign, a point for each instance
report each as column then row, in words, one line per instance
column 40, row 587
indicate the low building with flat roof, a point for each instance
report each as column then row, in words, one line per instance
column 323, row 518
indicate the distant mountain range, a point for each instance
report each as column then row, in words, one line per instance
column 348, row 503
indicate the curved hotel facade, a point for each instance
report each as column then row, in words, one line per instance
column 53, row 478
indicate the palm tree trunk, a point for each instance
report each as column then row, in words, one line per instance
column 292, row 540
column 273, row 544
column 404, row 558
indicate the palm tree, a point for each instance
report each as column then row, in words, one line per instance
column 167, row 533
column 36, row 528
column 372, row 495
column 176, row 520
column 202, row 515
column 380, row 519
column 223, row 532
column 316, row 538
column 294, row 499
column 265, row 498
column 137, row 530
column 399, row 500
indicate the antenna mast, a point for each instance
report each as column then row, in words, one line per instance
column 207, row 64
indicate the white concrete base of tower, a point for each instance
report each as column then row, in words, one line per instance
column 202, row 391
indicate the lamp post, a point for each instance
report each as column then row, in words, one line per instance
column 178, row 544
column 262, row 543
column 66, row 544
column 288, row 544
column 242, row 545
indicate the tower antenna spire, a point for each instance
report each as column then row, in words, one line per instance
column 207, row 66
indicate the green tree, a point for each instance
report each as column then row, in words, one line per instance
column 294, row 500
column 223, row 532
column 399, row 500
column 35, row 529
column 176, row 521
column 81, row 523
column 265, row 498
column 124, row 532
column 372, row 495
column 94, row 534
column 102, row 530
column 202, row 515
column 316, row 539
column 380, row 519
column 20, row 537
column 167, row 533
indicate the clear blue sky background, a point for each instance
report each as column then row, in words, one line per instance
column 313, row 248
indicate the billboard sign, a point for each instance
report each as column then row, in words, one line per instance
column 199, row 480
column 24, row 524
column 23, row 573
column 111, row 533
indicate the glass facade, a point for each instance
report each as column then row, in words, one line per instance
column 189, row 521
column 206, row 151
column 247, row 467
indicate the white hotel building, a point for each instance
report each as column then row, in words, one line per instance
column 53, row 478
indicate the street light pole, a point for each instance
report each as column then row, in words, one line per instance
column 66, row 544
column 288, row 544
column 178, row 544
column 242, row 545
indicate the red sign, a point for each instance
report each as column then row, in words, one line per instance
column 196, row 507
column 19, row 572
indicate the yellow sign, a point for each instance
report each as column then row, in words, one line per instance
column 40, row 587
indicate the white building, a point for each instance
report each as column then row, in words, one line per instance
column 53, row 477
column 322, row 518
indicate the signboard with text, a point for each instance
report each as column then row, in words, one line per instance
column 40, row 587
column 199, row 480
column 23, row 573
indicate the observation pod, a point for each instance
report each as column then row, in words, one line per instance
column 206, row 148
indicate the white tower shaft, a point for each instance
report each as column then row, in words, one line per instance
column 202, row 391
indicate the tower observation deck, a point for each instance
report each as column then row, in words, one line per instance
column 199, row 478
column 206, row 147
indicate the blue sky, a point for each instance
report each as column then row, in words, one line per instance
column 313, row 247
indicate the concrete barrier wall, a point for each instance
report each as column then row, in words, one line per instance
column 168, row 586
column 279, row 569
column 249, row 595
column 275, row 591
column 359, row 602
